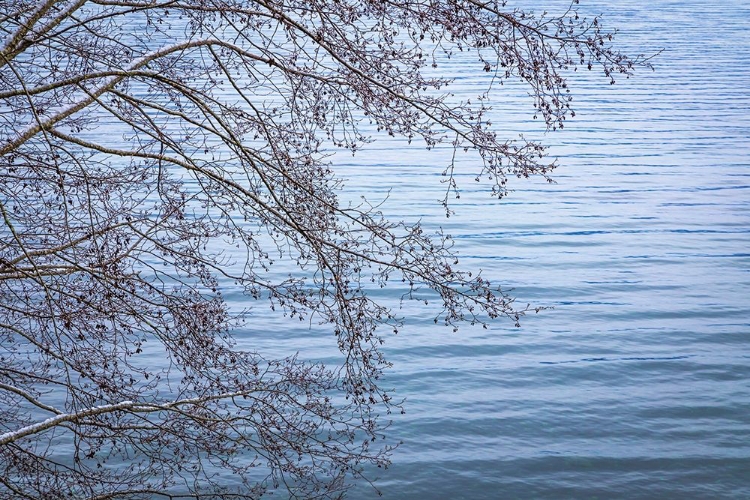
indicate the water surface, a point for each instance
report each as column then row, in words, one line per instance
column 637, row 384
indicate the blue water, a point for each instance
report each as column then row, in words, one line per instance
column 637, row 383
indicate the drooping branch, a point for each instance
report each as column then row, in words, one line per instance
column 154, row 154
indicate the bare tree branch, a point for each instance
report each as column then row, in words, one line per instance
column 140, row 140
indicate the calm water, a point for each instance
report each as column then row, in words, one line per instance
column 637, row 384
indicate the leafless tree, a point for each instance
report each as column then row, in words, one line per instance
column 140, row 137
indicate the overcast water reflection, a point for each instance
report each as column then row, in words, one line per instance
column 637, row 384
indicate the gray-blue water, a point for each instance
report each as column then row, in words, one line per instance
column 637, row 383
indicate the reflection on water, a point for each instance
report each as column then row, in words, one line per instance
column 637, row 383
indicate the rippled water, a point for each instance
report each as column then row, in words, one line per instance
column 637, row 383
